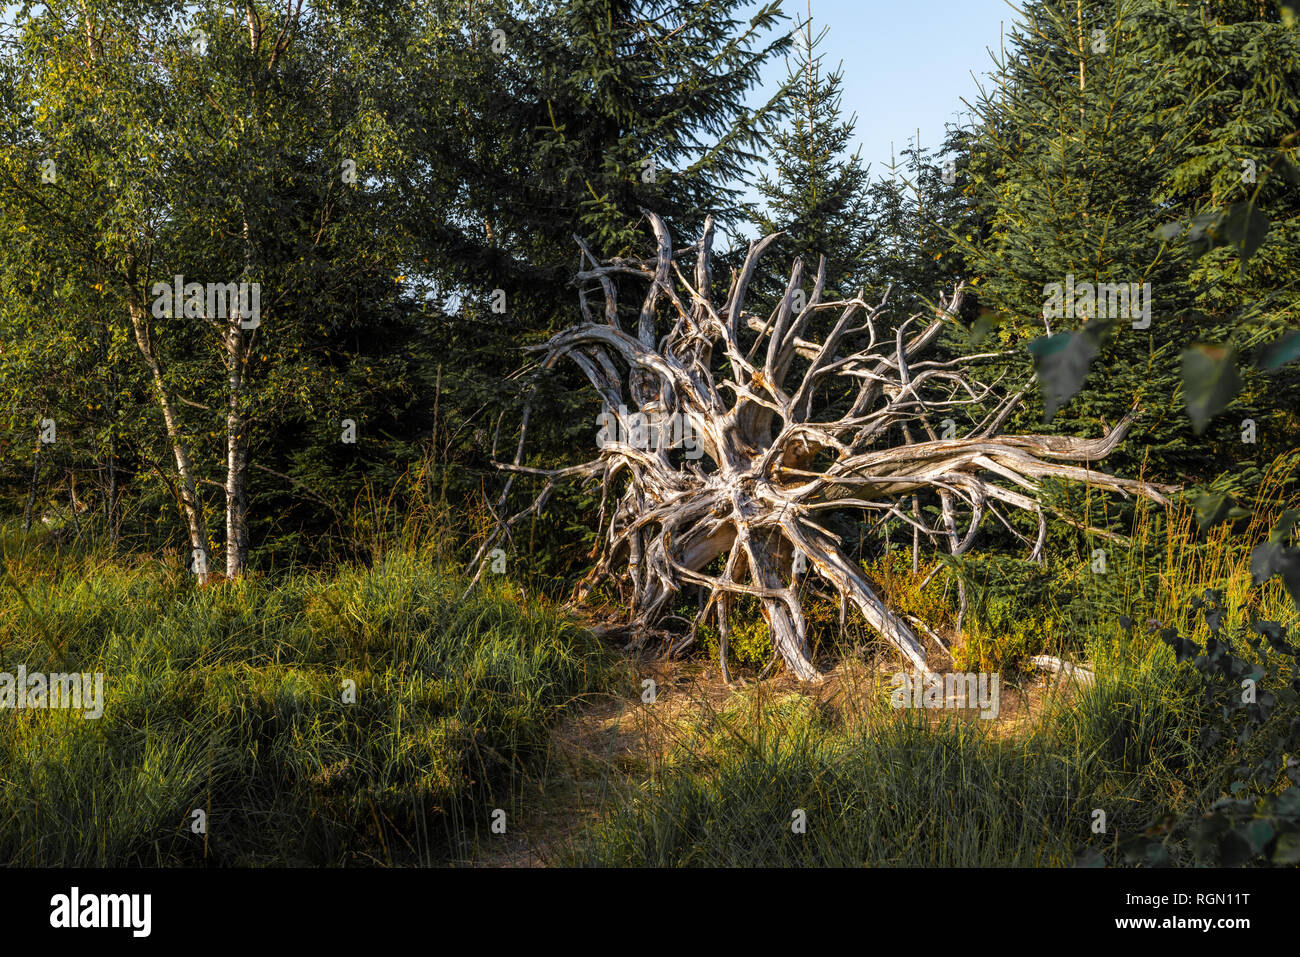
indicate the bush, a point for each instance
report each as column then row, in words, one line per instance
column 1250, row 723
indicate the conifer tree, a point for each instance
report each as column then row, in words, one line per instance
column 575, row 116
column 815, row 192
column 913, row 211
column 569, row 119
column 1112, row 119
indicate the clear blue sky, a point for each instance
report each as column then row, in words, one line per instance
column 906, row 64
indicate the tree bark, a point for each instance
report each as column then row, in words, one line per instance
column 236, row 457
column 31, row 492
column 236, row 486
column 187, row 484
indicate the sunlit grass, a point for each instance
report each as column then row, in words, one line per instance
column 236, row 700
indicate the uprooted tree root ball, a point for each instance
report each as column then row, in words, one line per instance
column 793, row 426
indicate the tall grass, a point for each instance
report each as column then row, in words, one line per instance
column 881, row 787
column 234, row 700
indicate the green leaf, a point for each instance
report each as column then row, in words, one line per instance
column 1281, row 351
column 1272, row 559
column 1282, row 530
column 985, row 323
column 1288, row 802
column 1275, row 634
column 1287, row 849
column 1202, row 234
column 1210, row 382
column 1184, row 648
column 1259, row 832
column 1062, row 362
column 1244, row 227
column 1213, row 509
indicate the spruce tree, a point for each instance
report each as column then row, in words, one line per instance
column 1110, row 120
column 912, row 212
column 815, row 192
column 568, row 120
column 572, row 118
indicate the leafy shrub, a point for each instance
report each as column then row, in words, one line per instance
column 1249, row 677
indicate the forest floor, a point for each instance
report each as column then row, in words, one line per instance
column 617, row 743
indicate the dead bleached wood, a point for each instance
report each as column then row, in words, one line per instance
column 1067, row 668
column 811, row 410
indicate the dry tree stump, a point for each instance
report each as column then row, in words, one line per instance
column 797, row 418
